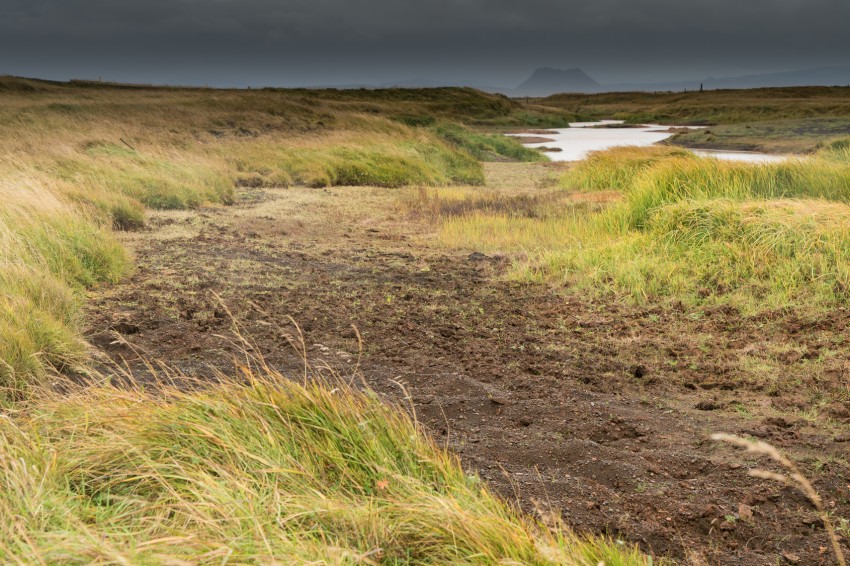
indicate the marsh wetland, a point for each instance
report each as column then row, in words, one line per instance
column 367, row 327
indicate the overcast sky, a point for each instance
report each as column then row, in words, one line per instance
column 485, row 42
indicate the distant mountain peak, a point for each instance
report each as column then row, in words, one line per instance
column 547, row 80
column 551, row 71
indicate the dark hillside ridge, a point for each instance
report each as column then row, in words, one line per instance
column 547, row 81
column 319, row 108
column 821, row 76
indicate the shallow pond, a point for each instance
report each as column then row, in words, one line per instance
column 581, row 138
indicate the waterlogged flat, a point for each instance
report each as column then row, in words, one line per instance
column 581, row 138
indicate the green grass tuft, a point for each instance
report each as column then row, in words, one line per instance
column 49, row 251
column 710, row 231
column 685, row 178
column 617, row 168
column 382, row 160
column 657, row 223
column 754, row 255
column 838, row 150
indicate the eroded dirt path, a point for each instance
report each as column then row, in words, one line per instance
column 580, row 407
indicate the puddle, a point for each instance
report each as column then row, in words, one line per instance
column 581, row 138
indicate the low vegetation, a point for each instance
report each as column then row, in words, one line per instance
column 81, row 157
column 50, row 249
column 255, row 468
column 774, row 120
column 617, row 168
column 487, row 147
column 267, row 471
column 386, row 159
column 658, row 222
column 709, row 107
column 799, row 136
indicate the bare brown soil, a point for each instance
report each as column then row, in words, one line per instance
column 598, row 410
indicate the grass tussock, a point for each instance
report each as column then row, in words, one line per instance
column 686, row 178
column 488, row 147
column 679, row 227
column 617, row 168
column 752, row 254
column 837, row 150
column 265, row 470
column 49, row 249
column 157, row 181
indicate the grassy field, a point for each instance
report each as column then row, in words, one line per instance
column 800, row 136
column 248, row 468
column 49, row 251
column 79, row 158
column 709, row 107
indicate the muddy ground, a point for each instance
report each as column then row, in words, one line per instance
column 598, row 410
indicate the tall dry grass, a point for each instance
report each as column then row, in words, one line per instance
column 253, row 469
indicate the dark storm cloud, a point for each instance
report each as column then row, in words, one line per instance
column 475, row 41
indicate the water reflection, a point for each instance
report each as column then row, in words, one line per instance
column 575, row 142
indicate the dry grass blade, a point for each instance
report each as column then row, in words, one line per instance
column 794, row 479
